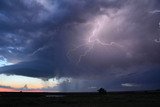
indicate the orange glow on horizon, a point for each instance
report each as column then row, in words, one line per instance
column 14, row 90
column 7, row 90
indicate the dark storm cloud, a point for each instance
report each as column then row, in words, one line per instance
column 5, row 87
column 142, row 80
column 32, row 29
column 39, row 34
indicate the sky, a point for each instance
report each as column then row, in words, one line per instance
column 79, row 45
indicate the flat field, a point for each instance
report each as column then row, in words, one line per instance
column 111, row 99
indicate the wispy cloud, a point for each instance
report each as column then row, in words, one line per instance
column 129, row 85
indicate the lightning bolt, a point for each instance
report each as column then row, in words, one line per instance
column 92, row 40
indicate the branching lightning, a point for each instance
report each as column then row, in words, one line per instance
column 93, row 39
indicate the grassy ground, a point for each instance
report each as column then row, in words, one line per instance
column 126, row 99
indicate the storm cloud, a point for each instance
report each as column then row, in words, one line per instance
column 37, row 35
